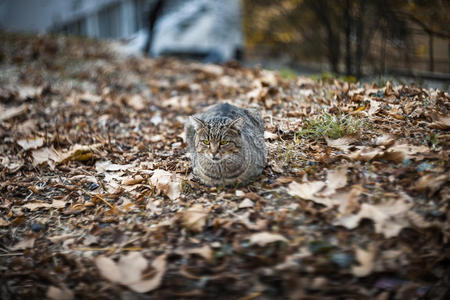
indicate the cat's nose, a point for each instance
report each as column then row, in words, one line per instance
column 214, row 157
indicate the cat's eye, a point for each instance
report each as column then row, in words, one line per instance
column 223, row 142
column 206, row 142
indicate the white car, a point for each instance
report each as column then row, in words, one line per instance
column 202, row 29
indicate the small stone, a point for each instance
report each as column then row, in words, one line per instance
column 343, row 260
column 36, row 227
column 424, row 167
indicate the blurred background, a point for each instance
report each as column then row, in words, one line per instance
column 353, row 39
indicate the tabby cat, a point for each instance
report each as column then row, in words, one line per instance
column 226, row 144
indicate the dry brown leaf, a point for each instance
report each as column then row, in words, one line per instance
column 365, row 153
column 431, row 182
column 26, row 243
column 3, row 222
column 8, row 113
column 167, row 183
column 343, row 143
column 136, row 101
column 442, row 122
column 348, row 200
column 108, row 269
column 129, row 271
column 56, row 293
column 336, row 179
column 79, row 152
column 37, row 205
column 375, row 107
column 177, row 102
column 46, row 155
column 59, row 238
column 264, row 238
column 209, row 69
column 147, row 285
column 205, row 252
column 132, row 180
column 31, row 143
column 269, row 135
column 401, row 151
column 246, row 203
column 389, row 218
column 366, row 262
column 13, row 164
column 312, row 191
column 384, row 140
column 89, row 97
column 106, row 165
column 305, row 190
column 194, row 218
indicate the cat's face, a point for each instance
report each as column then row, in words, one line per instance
column 218, row 138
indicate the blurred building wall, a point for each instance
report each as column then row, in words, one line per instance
column 94, row 18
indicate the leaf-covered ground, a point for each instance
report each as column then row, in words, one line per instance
column 97, row 200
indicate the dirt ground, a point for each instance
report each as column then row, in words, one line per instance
column 97, row 199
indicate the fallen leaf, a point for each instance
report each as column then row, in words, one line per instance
column 48, row 155
column 136, row 101
column 147, row 285
column 343, row 143
column 375, row 106
column 384, row 140
column 32, row 143
column 167, row 183
column 205, row 252
column 365, row 153
column 59, row 238
column 79, row 153
column 246, row 203
column 194, row 218
column 336, row 179
column 264, row 238
column 389, row 218
column 3, row 222
column 305, row 190
column 270, row 136
column 401, row 151
column 37, row 205
column 129, row 271
column 8, row 113
column 442, row 122
column 366, row 262
column 431, row 182
column 89, row 97
column 132, row 180
column 56, row 293
column 24, row 244
column 108, row 269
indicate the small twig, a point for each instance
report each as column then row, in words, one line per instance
column 101, row 198
column 108, row 249
column 12, row 254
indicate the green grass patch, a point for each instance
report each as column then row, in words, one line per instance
column 328, row 77
column 331, row 126
column 287, row 74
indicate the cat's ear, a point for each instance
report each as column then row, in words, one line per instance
column 198, row 123
column 237, row 124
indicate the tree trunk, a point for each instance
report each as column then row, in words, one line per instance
column 360, row 37
column 383, row 51
column 348, row 31
column 449, row 57
column 323, row 11
column 431, row 51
